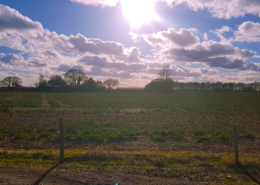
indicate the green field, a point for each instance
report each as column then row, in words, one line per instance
column 20, row 99
column 151, row 132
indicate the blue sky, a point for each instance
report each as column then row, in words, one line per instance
column 200, row 40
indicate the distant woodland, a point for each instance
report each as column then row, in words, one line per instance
column 76, row 81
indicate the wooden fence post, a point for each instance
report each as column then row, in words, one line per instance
column 61, row 141
column 235, row 144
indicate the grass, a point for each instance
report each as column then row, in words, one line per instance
column 189, row 101
column 198, row 166
column 20, row 99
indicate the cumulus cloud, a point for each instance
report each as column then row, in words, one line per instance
column 50, row 53
column 10, row 19
column 189, row 49
column 222, row 8
column 215, row 55
column 248, row 32
column 181, row 38
column 9, row 58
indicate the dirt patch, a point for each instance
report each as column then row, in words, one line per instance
column 29, row 176
column 17, row 97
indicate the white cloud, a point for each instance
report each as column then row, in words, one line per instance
column 97, row 2
column 190, row 50
column 222, row 8
column 218, row 8
column 181, row 38
column 50, row 53
column 10, row 19
column 248, row 32
column 205, row 36
column 219, row 33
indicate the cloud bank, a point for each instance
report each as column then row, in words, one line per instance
column 43, row 51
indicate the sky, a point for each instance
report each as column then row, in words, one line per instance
column 131, row 40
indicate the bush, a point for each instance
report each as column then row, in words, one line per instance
column 159, row 139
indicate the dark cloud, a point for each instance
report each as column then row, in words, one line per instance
column 215, row 55
column 103, row 63
column 97, row 71
column 182, row 38
column 227, row 63
column 63, row 68
column 9, row 58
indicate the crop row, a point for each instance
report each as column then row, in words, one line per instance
column 115, row 132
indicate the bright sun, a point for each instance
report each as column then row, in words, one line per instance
column 139, row 12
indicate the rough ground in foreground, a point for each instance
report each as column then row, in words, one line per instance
column 13, row 176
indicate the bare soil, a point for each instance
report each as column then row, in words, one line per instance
column 17, row 97
column 13, row 176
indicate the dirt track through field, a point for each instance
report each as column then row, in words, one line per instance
column 45, row 101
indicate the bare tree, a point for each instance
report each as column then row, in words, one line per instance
column 75, row 77
column 111, row 83
column 165, row 73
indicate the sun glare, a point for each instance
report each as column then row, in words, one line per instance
column 139, row 12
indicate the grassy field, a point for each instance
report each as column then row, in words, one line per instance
column 20, row 99
column 155, row 133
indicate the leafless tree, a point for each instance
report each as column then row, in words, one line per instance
column 165, row 73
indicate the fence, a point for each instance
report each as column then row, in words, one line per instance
column 135, row 143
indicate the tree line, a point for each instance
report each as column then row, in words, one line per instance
column 75, row 80
column 164, row 83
